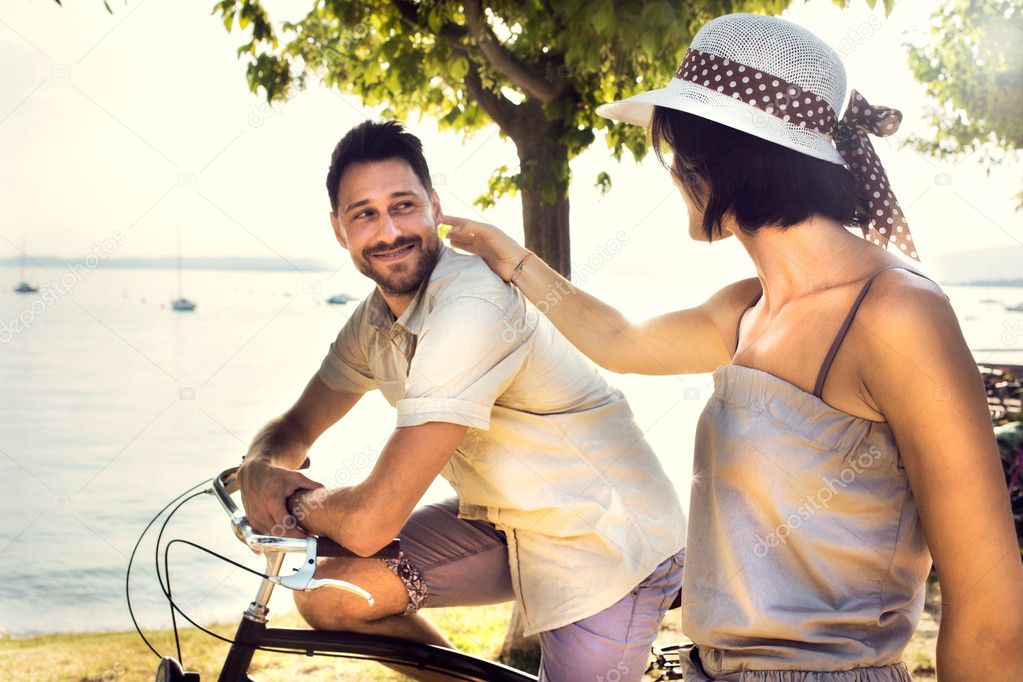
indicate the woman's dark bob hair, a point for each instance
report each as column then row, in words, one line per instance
column 762, row 184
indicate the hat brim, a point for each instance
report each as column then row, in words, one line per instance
column 637, row 109
column 713, row 106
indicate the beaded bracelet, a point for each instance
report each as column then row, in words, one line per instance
column 518, row 268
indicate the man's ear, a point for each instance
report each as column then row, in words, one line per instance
column 435, row 202
column 339, row 232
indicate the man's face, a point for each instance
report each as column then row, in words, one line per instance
column 388, row 222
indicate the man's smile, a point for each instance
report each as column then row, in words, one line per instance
column 394, row 255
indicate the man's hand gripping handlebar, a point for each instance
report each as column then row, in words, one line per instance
column 312, row 546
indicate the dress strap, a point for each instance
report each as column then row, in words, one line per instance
column 743, row 314
column 818, row 388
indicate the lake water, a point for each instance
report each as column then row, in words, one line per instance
column 112, row 404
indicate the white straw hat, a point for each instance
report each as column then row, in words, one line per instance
column 770, row 45
column 777, row 81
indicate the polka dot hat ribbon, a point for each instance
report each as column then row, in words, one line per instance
column 797, row 106
column 887, row 221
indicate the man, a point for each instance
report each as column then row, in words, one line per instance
column 561, row 503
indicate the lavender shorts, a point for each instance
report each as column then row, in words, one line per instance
column 448, row 561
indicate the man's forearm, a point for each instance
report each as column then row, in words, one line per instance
column 278, row 443
column 366, row 516
column 345, row 515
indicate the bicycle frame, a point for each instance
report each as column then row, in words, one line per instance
column 423, row 661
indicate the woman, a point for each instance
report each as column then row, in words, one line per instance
column 847, row 440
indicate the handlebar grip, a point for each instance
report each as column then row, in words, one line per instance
column 326, row 547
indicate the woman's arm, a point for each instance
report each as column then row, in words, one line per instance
column 681, row 342
column 919, row 371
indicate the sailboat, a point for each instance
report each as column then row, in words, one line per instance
column 181, row 303
column 23, row 286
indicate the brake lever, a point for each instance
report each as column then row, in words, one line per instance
column 302, row 579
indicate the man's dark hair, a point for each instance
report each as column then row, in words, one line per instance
column 373, row 141
column 762, row 183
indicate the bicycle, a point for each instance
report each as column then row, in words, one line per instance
column 419, row 661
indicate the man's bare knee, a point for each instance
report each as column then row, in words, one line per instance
column 328, row 608
column 305, row 602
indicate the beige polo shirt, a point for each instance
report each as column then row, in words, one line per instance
column 553, row 456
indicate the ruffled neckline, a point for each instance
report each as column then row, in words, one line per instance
column 798, row 410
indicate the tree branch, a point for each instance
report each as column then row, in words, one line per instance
column 497, row 106
column 524, row 76
column 451, row 33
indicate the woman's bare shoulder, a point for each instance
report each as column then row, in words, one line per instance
column 907, row 321
column 724, row 307
column 726, row 303
column 901, row 300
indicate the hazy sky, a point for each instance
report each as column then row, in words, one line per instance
column 141, row 121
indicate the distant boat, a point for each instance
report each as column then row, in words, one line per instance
column 1018, row 308
column 990, row 300
column 181, row 303
column 23, row 286
column 340, row 299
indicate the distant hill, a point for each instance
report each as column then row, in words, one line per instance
column 195, row 263
column 983, row 267
column 992, row 283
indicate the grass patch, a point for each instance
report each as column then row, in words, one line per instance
column 109, row 656
column 117, row 656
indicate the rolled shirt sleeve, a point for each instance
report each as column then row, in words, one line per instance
column 468, row 352
column 345, row 368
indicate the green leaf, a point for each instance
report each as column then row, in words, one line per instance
column 651, row 44
column 435, row 20
column 459, row 68
column 602, row 15
column 394, row 81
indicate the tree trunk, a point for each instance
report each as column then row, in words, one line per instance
column 544, row 166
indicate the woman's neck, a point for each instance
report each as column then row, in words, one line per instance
column 808, row 257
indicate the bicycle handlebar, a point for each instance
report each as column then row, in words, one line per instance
column 227, row 483
column 303, row 579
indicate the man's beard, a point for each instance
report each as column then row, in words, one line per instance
column 400, row 279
